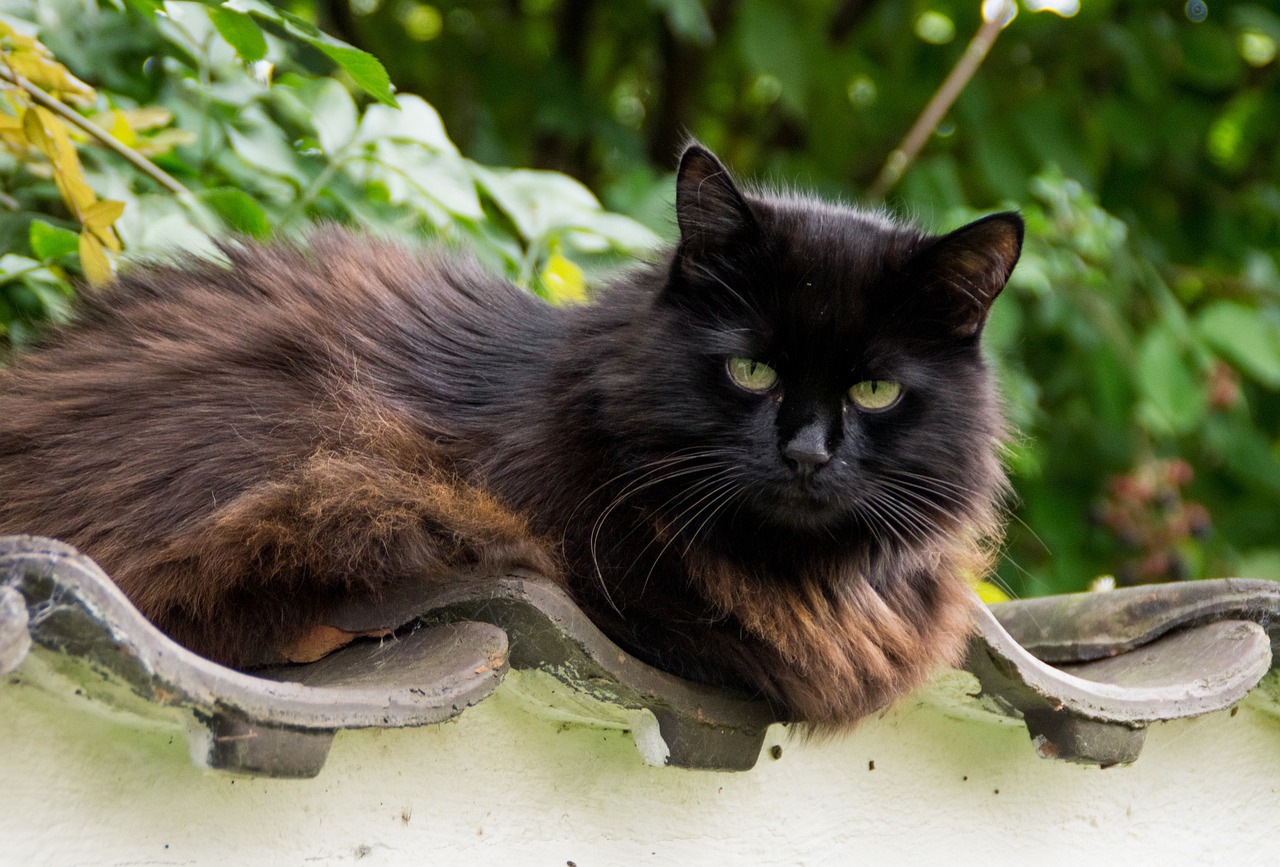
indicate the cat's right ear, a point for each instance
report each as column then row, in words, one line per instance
column 963, row 272
column 710, row 210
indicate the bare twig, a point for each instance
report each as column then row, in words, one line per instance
column 895, row 166
column 106, row 139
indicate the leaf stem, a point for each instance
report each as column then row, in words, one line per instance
column 300, row 205
column 901, row 157
column 106, row 139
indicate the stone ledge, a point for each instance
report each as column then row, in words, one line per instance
column 1121, row 661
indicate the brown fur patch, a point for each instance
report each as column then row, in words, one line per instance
column 832, row 647
column 344, row 522
column 322, row 640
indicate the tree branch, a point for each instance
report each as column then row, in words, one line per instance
column 899, row 159
column 106, row 139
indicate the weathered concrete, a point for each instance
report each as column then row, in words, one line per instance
column 929, row 782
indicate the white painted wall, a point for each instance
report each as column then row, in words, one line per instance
column 83, row 786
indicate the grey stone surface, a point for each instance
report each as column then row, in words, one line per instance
column 1120, row 661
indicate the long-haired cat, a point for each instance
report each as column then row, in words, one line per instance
column 768, row 460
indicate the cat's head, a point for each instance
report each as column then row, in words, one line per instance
column 813, row 370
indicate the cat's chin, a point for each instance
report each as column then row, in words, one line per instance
column 802, row 512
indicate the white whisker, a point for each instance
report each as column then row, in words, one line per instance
column 709, row 497
column 657, row 472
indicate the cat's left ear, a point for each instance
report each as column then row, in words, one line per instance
column 964, row 271
column 713, row 214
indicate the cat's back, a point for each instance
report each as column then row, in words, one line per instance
column 288, row 306
column 332, row 309
column 184, row 384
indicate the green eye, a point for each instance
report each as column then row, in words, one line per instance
column 751, row 375
column 875, row 394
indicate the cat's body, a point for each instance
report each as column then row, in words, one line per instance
column 243, row 449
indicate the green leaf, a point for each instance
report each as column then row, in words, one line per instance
column 412, row 173
column 1110, row 389
column 1210, row 58
column 1235, row 134
column 156, row 224
column 264, row 147
column 1174, row 402
column 333, row 113
column 543, row 205
column 614, row 230
column 241, row 32
column 539, row 202
column 239, row 211
column 1245, row 338
column 771, row 44
column 21, row 335
column 12, row 263
column 147, row 8
column 687, row 19
column 54, row 295
column 52, row 242
column 414, row 120
column 1245, row 451
column 363, row 67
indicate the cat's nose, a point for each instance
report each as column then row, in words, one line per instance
column 807, row 451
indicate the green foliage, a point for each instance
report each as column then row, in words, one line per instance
column 195, row 87
column 1110, row 376
column 1165, row 119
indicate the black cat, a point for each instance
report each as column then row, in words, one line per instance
column 769, row 460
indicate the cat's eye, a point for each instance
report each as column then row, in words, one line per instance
column 752, row 375
column 875, row 394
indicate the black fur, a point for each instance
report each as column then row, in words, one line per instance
column 236, row 444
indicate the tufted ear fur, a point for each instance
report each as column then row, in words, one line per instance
column 713, row 215
column 962, row 272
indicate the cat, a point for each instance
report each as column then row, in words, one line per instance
column 768, row 459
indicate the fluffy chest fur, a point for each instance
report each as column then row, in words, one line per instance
column 767, row 460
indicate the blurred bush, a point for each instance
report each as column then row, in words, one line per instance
column 1148, row 418
column 250, row 140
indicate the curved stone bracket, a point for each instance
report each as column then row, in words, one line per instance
column 702, row 726
column 1080, row 627
column 1096, row 712
column 74, row 610
column 1122, row 661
